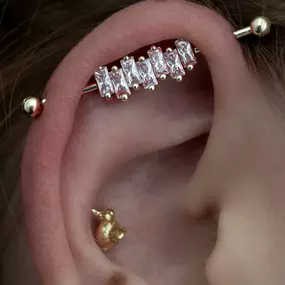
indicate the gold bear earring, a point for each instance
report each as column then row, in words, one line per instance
column 108, row 233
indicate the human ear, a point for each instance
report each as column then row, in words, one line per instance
column 81, row 141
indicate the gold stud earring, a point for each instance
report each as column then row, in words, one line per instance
column 108, row 233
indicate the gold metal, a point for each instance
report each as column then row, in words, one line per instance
column 125, row 97
column 90, row 88
column 108, row 233
column 243, row 32
column 179, row 78
column 136, row 86
column 261, row 26
column 33, row 106
column 108, row 96
column 163, row 76
column 196, row 50
column 190, row 67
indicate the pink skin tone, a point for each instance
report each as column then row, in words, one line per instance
column 78, row 156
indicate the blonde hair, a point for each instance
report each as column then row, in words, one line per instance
column 33, row 45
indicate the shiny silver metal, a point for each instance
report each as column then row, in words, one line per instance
column 261, row 26
column 108, row 96
column 108, row 233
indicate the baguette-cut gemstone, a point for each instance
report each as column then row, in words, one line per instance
column 119, row 82
column 158, row 61
column 186, row 53
column 146, row 73
column 174, row 64
column 131, row 72
column 103, row 81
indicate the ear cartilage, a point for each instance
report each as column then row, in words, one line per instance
column 259, row 26
column 147, row 72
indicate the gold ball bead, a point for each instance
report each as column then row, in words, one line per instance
column 32, row 106
column 125, row 98
column 163, row 76
column 108, row 96
column 136, row 86
column 261, row 26
column 179, row 78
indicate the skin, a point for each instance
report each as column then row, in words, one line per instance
column 145, row 159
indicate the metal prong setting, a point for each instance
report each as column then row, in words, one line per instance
column 196, row 50
column 141, row 58
column 125, row 98
column 108, row 96
column 163, row 76
column 179, row 78
column 190, row 67
column 260, row 26
column 136, row 86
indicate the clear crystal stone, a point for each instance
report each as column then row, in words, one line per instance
column 158, row 62
column 103, row 81
column 131, row 72
column 186, row 53
column 174, row 64
column 146, row 73
column 119, row 82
